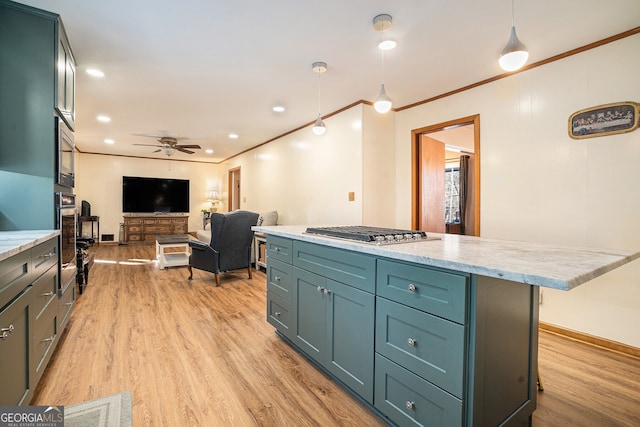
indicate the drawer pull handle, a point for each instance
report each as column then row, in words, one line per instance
column 47, row 294
column 4, row 332
column 411, row 406
column 51, row 338
column 412, row 287
column 69, row 303
column 412, row 342
column 277, row 313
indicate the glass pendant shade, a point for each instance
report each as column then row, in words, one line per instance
column 383, row 103
column 318, row 127
column 169, row 151
column 514, row 55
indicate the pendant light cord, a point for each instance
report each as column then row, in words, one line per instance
column 513, row 13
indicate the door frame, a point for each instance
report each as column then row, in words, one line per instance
column 233, row 195
column 416, row 167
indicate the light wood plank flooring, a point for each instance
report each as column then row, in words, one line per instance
column 196, row 355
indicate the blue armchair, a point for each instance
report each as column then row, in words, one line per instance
column 230, row 246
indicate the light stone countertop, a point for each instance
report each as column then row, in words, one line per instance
column 14, row 242
column 550, row 266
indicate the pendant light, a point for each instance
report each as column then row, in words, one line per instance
column 383, row 103
column 318, row 127
column 515, row 54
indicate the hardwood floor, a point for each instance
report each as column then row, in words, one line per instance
column 196, row 355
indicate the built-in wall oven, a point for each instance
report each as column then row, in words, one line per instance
column 66, row 222
column 65, row 165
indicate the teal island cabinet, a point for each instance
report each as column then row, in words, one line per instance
column 441, row 332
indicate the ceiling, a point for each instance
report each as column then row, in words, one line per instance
column 203, row 69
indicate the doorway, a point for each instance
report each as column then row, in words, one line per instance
column 432, row 208
column 234, row 189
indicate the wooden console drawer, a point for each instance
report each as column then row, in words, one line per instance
column 437, row 292
column 429, row 346
column 134, row 228
column 408, row 400
column 279, row 279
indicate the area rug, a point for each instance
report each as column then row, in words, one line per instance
column 109, row 411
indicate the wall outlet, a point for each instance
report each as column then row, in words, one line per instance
column 352, row 196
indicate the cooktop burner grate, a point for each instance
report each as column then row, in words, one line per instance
column 377, row 235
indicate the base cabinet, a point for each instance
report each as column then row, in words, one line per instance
column 450, row 348
column 29, row 330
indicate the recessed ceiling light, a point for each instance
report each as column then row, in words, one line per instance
column 387, row 44
column 95, row 73
column 278, row 109
column 109, row 141
column 104, row 119
column 208, row 151
column 233, row 135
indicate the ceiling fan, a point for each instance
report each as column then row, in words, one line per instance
column 169, row 145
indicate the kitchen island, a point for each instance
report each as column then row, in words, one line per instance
column 434, row 332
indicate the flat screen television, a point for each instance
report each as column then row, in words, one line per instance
column 154, row 195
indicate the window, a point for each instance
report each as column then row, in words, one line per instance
column 452, row 192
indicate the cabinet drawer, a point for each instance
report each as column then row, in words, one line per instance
column 14, row 276
column 164, row 221
column 14, row 351
column 43, row 256
column 149, row 221
column 408, row 400
column 44, row 337
column 347, row 267
column 279, row 248
column 65, row 304
column 133, row 221
column 134, row 237
column 134, row 229
column 279, row 279
column 278, row 313
column 429, row 346
column 437, row 292
column 160, row 229
column 45, row 290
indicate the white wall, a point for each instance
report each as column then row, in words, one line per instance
column 539, row 185
column 305, row 177
column 99, row 181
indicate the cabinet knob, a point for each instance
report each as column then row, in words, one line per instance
column 320, row 289
column 276, row 278
column 410, row 405
column 277, row 313
column 276, row 249
column 326, row 291
column 412, row 342
column 412, row 287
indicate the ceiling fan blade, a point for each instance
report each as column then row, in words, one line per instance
column 157, row 151
column 179, row 148
column 188, row 146
column 147, row 145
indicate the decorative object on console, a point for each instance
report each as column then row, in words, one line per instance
column 607, row 119
column 214, row 199
column 230, row 245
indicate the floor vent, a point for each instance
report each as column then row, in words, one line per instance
column 107, row 238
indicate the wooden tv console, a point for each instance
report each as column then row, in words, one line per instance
column 145, row 228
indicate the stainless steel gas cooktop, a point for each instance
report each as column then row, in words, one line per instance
column 375, row 235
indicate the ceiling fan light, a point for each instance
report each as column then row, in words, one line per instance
column 168, row 151
column 319, row 127
column 514, row 55
column 383, row 104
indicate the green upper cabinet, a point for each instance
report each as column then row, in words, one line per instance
column 65, row 77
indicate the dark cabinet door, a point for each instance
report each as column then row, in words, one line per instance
column 14, row 352
column 309, row 313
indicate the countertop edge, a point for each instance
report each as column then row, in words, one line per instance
column 14, row 242
column 603, row 260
